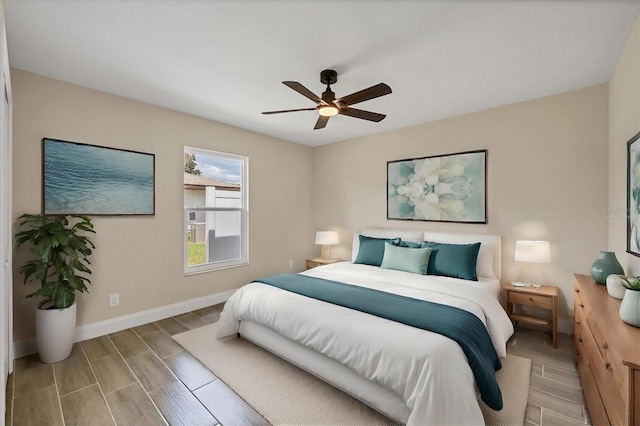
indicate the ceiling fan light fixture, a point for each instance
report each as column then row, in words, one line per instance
column 328, row 111
column 328, row 106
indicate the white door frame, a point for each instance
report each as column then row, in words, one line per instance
column 6, row 222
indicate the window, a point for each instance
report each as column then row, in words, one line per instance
column 215, row 210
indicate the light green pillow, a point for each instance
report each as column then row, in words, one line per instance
column 415, row 260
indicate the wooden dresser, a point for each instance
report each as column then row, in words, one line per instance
column 608, row 353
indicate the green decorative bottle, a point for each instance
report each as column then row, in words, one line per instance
column 604, row 266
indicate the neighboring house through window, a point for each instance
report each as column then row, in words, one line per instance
column 215, row 210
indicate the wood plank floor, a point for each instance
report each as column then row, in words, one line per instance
column 555, row 391
column 141, row 376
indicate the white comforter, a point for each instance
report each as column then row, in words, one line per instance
column 428, row 371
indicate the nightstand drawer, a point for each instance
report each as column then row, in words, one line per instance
column 312, row 264
column 318, row 261
column 536, row 300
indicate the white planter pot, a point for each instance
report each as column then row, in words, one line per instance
column 55, row 330
column 630, row 308
column 614, row 286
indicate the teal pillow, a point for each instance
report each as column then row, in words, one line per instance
column 406, row 259
column 453, row 260
column 371, row 250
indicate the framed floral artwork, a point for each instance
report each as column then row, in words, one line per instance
column 633, row 195
column 442, row 188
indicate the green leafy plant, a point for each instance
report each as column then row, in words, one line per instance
column 632, row 284
column 61, row 256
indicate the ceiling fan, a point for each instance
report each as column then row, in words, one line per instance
column 328, row 106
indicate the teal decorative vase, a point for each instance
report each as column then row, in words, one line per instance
column 604, row 266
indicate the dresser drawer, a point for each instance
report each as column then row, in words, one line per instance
column 599, row 336
column 578, row 326
column 591, row 394
column 611, row 358
column 537, row 300
column 577, row 298
column 634, row 403
column 602, row 371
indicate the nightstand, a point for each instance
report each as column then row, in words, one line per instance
column 318, row 261
column 544, row 297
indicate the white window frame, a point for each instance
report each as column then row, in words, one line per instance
column 243, row 260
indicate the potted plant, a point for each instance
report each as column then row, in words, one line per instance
column 630, row 306
column 61, row 250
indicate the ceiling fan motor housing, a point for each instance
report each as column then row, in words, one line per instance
column 328, row 77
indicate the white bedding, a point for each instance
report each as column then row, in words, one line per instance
column 429, row 372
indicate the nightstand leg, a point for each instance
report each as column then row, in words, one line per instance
column 554, row 322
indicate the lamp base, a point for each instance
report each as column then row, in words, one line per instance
column 531, row 275
column 326, row 252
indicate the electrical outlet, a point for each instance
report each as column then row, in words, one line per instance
column 114, row 300
column 291, row 264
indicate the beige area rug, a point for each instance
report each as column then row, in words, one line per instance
column 271, row 385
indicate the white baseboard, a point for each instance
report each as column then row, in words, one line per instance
column 28, row 346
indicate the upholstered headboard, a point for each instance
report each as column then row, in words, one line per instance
column 489, row 257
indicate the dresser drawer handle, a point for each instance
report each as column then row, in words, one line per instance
column 577, row 290
column 581, row 305
column 578, row 322
column 577, row 352
column 531, row 299
column 579, row 339
column 608, row 365
column 605, row 346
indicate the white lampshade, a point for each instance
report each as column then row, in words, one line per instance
column 533, row 251
column 327, row 238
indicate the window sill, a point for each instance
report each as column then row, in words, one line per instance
column 219, row 268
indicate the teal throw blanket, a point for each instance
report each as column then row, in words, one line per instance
column 457, row 324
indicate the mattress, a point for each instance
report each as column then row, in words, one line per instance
column 492, row 285
column 428, row 373
column 329, row 370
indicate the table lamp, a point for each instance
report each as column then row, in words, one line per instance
column 532, row 252
column 327, row 239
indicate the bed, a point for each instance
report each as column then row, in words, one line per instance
column 411, row 375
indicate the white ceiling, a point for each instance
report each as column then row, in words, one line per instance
column 225, row 60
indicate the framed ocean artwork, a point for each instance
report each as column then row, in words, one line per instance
column 442, row 188
column 633, row 195
column 79, row 178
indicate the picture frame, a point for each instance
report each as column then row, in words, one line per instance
column 93, row 180
column 633, row 195
column 439, row 188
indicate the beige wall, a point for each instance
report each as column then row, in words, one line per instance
column 624, row 122
column 547, row 179
column 142, row 257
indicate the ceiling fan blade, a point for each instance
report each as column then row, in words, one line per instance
column 365, row 115
column 364, row 95
column 288, row 110
column 304, row 91
column 322, row 121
